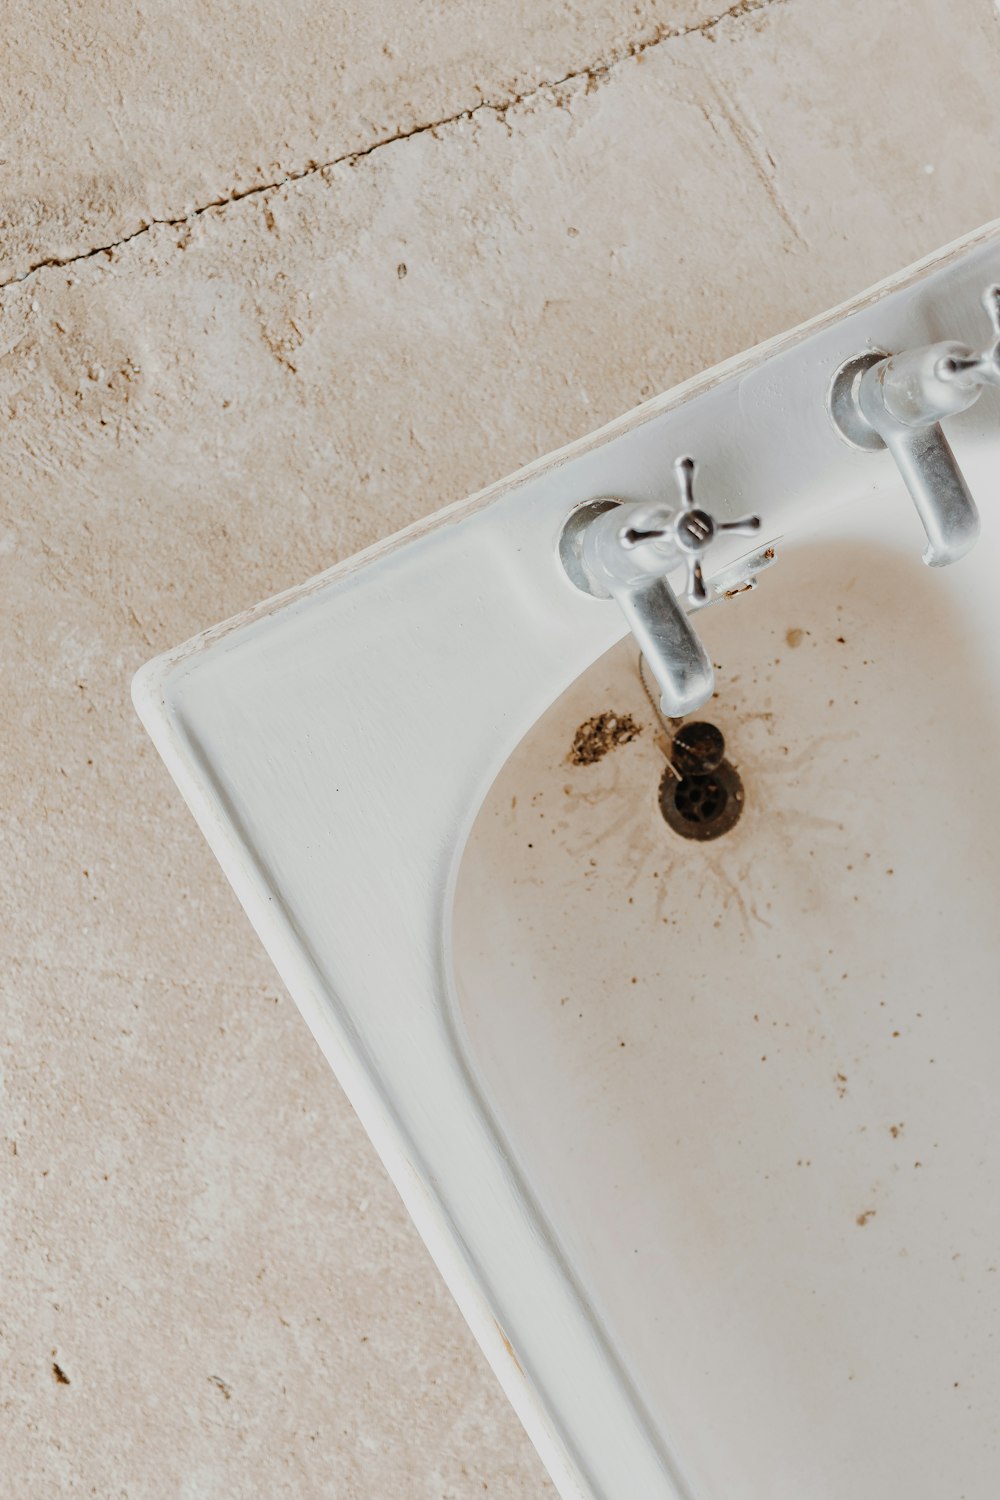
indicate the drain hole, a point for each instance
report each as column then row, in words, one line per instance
column 701, row 794
column 700, row 799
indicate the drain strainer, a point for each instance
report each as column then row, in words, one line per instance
column 701, row 794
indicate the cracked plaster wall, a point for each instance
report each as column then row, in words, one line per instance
column 120, row 116
column 209, row 1288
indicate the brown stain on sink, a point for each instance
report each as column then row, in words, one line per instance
column 508, row 1346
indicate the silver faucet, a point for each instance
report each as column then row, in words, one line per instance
column 897, row 401
column 623, row 551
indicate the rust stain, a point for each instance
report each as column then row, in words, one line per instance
column 508, row 1346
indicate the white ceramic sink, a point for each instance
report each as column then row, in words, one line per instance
column 704, row 1136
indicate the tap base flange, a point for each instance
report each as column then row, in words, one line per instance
column 842, row 402
column 571, row 544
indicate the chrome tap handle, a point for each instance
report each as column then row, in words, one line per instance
column 613, row 549
column 694, row 529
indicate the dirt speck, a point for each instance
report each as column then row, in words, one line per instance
column 794, row 635
column 862, row 1219
column 840, row 1079
column 59, row 1374
column 221, row 1385
column 596, row 736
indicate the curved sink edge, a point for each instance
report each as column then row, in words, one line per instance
column 332, row 1025
column 458, row 1042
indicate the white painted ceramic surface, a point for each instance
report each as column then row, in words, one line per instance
column 669, row 1175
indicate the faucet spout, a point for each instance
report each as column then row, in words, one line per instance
column 898, row 401
column 901, row 400
column 666, row 638
column 938, row 489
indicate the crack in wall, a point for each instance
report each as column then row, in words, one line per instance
column 592, row 72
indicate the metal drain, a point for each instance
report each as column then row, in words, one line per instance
column 701, row 794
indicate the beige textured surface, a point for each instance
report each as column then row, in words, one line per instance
column 120, row 114
column 192, row 1226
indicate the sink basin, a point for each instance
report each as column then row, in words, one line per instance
column 703, row 1134
column 752, row 1080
